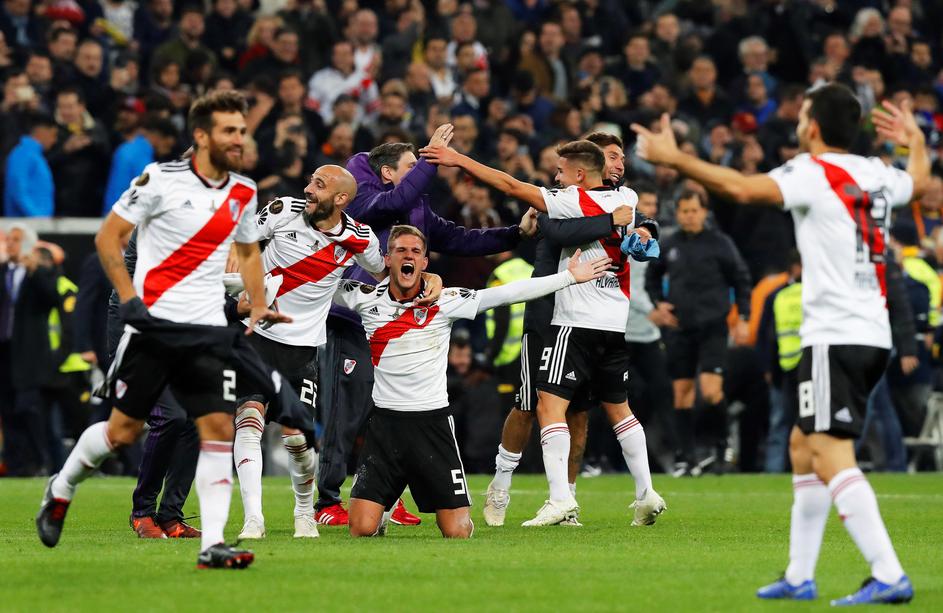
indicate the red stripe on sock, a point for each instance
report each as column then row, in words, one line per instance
column 250, row 422
column 216, row 447
column 624, row 426
column 845, row 484
column 551, row 431
column 796, row 486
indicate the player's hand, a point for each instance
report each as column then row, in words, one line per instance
column 431, row 289
column 662, row 315
column 89, row 357
column 232, row 260
column 442, row 136
column 623, row 215
column 908, row 364
column 644, row 235
column 741, row 333
column 133, row 311
column 528, row 227
column 443, row 156
column 589, row 270
column 657, row 147
column 264, row 315
column 641, row 249
column 897, row 125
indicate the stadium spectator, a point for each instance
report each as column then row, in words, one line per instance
column 282, row 56
column 705, row 101
column 475, row 87
column 29, row 190
column 342, row 77
column 80, row 158
column 190, row 30
column 153, row 141
column 227, row 28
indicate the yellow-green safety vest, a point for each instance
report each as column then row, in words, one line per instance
column 918, row 269
column 787, row 314
column 512, row 270
column 73, row 363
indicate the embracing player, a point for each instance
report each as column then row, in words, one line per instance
column 841, row 204
column 588, row 349
column 410, row 438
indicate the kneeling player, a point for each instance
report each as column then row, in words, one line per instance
column 410, row 438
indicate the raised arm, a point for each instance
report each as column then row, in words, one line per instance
column 501, row 181
column 899, row 126
column 535, row 287
column 662, row 148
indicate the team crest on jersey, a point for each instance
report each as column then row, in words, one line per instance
column 339, row 253
column 234, row 208
column 349, row 366
column 120, row 388
column 420, row 315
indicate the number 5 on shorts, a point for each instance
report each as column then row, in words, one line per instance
column 458, row 479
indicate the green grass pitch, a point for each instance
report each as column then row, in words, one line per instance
column 720, row 539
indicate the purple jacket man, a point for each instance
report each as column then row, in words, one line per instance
column 391, row 186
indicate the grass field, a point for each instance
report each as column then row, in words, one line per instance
column 720, row 539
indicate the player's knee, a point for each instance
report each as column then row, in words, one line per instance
column 359, row 527
column 123, row 435
column 459, row 529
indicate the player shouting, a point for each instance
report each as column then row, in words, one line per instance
column 410, row 439
column 841, row 205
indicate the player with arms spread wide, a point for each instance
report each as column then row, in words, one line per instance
column 188, row 214
column 588, row 348
column 841, row 205
column 410, row 437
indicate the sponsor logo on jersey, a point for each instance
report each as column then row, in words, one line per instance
column 292, row 236
column 844, row 415
column 187, row 205
column 570, row 376
column 420, row 315
column 142, row 180
column 339, row 253
column 120, row 388
column 234, row 208
column 349, row 366
column 374, row 311
column 467, row 293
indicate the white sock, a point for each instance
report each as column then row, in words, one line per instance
column 247, row 452
column 504, row 465
column 555, row 441
column 858, row 508
column 89, row 452
column 214, row 488
column 573, row 490
column 302, row 473
column 631, row 437
column 810, row 506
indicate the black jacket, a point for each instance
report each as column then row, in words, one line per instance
column 33, row 363
column 701, row 269
column 91, row 311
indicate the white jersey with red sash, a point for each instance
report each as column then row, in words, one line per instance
column 841, row 205
column 602, row 304
column 409, row 345
column 185, row 228
column 310, row 262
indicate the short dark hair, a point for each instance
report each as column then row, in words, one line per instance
column 202, row 109
column 583, row 152
column 159, row 125
column 517, row 135
column 790, row 91
column 39, row 119
column 291, row 73
column 56, row 32
column 604, row 139
column 71, row 89
column 688, row 194
column 388, row 155
column 838, row 113
column 282, row 31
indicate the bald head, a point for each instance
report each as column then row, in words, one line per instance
column 328, row 193
column 339, row 180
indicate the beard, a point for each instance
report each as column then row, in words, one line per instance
column 320, row 213
column 220, row 159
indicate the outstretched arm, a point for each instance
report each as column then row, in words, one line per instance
column 898, row 125
column 501, row 181
column 661, row 148
column 535, row 287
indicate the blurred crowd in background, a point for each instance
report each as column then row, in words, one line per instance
column 93, row 90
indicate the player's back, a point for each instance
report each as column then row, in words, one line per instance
column 311, row 263
column 185, row 228
column 841, row 206
column 602, row 304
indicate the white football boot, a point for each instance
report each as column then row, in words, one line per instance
column 496, row 505
column 305, row 527
column 554, row 513
column 648, row 508
column 252, row 529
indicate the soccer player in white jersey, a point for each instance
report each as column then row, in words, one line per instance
column 188, row 213
column 309, row 245
column 410, row 437
column 840, row 204
column 588, row 326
